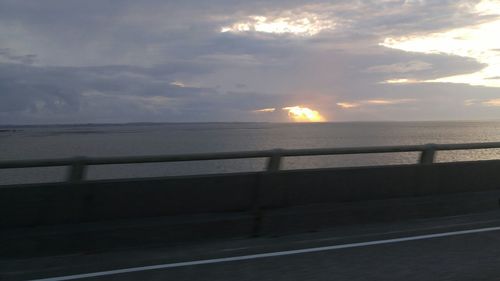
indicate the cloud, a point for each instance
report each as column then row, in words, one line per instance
column 56, row 93
column 373, row 102
column 402, row 81
column 100, row 61
column 231, row 59
column 483, row 102
column 475, row 41
column 410, row 66
column 288, row 22
column 264, row 110
column 388, row 101
column 493, row 102
column 488, row 7
column 347, row 105
column 8, row 56
column 178, row 84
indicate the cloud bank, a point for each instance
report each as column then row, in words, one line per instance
column 190, row 61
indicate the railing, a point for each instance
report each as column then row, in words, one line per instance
column 78, row 165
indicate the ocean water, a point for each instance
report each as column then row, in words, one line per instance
column 40, row 142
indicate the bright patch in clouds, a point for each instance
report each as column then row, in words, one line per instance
column 480, row 42
column 488, row 7
column 347, row 104
column 482, row 102
column 400, row 81
column 305, row 24
column 493, row 102
column 272, row 109
column 303, row 114
column 178, row 84
column 386, row 102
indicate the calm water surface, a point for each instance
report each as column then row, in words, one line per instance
column 40, row 142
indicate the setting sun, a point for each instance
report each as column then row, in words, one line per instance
column 303, row 114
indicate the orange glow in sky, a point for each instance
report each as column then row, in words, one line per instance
column 303, row 114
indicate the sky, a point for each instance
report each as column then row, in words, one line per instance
column 105, row 61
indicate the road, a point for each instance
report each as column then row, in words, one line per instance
column 456, row 248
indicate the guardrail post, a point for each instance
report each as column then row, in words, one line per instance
column 273, row 165
column 274, row 162
column 428, row 154
column 77, row 169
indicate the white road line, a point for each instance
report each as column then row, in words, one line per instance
column 267, row 255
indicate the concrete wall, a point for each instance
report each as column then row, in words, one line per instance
column 64, row 203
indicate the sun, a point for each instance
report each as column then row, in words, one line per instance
column 303, row 114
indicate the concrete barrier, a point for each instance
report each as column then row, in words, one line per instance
column 67, row 203
column 62, row 218
column 63, row 203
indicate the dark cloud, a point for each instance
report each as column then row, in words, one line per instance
column 7, row 55
column 37, row 94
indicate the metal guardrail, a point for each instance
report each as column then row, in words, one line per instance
column 78, row 165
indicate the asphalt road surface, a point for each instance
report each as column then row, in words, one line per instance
column 456, row 248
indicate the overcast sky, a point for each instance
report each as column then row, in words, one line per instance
column 95, row 61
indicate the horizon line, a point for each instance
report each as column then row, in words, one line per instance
column 240, row 122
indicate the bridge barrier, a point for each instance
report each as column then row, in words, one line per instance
column 78, row 165
column 246, row 203
column 80, row 200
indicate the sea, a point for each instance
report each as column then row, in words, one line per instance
column 142, row 139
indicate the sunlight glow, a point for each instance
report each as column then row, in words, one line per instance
column 373, row 102
column 400, row 81
column 347, row 105
column 272, row 109
column 303, row 114
column 488, row 7
column 493, row 102
column 479, row 42
column 306, row 24
column 388, row 101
